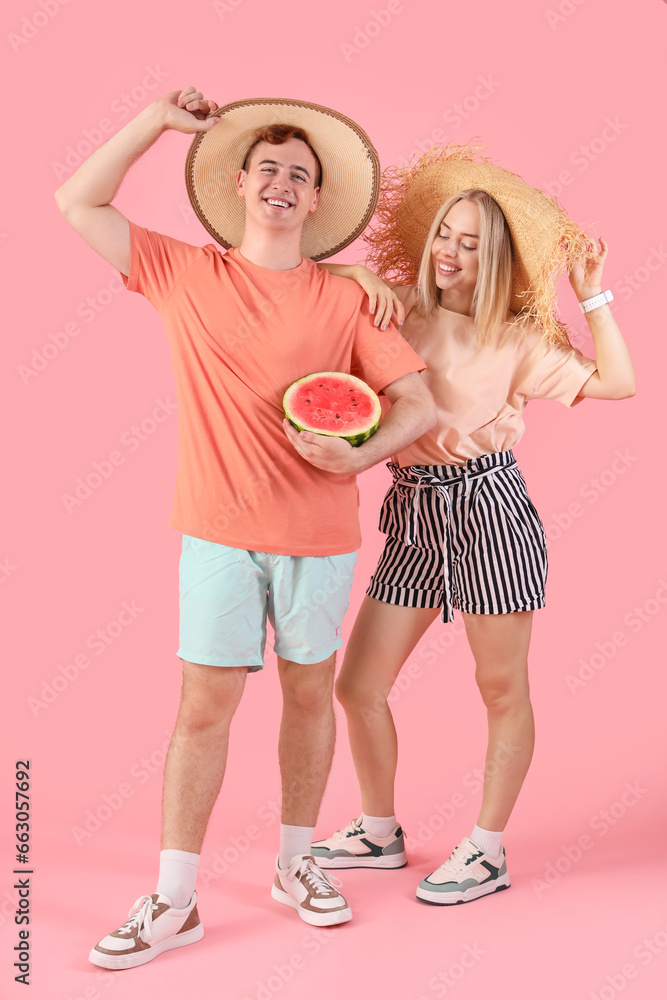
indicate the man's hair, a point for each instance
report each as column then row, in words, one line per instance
column 493, row 291
column 277, row 135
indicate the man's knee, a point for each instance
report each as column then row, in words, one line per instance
column 210, row 695
column 308, row 686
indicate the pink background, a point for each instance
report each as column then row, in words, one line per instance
column 540, row 84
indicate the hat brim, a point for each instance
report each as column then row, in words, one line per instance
column 544, row 240
column 350, row 172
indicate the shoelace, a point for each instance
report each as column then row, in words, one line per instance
column 459, row 856
column 141, row 912
column 354, row 826
column 323, row 884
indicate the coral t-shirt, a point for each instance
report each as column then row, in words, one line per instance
column 481, row 390
column 239, row 335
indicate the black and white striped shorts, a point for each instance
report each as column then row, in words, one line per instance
column 461, row 536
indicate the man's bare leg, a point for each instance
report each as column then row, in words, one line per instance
column 307, row 736
column 197, row 754
column 193, row 774
column 305, row 751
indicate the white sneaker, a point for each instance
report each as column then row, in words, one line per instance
column 154, row 926
column 352, row 847
column 312, row 893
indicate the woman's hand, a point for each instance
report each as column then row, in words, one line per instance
column 186, row 111
column 615, row 375
column 586, row 272
column 383, row 301
column 384, row 304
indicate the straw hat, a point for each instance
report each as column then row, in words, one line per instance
column 544, row 239
column 350, row 172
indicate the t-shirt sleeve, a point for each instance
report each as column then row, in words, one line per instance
column 561, row 375
column 157, row 263
column 379, row 357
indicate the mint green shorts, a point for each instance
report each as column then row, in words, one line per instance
column 226, row 595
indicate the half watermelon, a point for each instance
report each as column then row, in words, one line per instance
column 334, row 404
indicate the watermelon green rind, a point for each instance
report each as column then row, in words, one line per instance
column 364, row 429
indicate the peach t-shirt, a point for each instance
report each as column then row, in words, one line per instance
column 481, row 390
column 239, row 335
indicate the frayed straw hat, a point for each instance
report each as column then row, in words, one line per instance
column 544, row 239
column 350, row 172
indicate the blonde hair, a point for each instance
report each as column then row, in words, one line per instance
column 493, row 290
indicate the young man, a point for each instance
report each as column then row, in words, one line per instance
column 268, row 515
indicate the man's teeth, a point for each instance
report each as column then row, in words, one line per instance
column 281, row 204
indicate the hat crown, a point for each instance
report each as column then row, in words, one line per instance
column 350, row 166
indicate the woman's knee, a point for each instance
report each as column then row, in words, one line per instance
column 502, row 692
column 346, row 692
column 358, row 694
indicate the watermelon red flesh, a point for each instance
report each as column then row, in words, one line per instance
column 332, row 407
column 333, row 403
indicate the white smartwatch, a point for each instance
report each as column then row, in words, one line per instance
column 597, row 300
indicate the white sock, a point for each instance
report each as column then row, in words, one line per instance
column 488, row 841
column 294, row 840
column 378, row 826
column 178, row 874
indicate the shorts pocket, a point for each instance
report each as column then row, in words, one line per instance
column 415, row 516
column 520, row 516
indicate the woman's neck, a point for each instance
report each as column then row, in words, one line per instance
column 461, row 304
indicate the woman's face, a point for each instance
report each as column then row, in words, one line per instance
column 455, row 254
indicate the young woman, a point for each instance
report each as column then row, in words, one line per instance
column 461, row 529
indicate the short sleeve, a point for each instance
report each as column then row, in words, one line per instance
column 157, row 264
column 562, row 375
column 379, row 357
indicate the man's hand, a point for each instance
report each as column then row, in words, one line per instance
column 186, row 111
column 331, row 454
column 85, row 197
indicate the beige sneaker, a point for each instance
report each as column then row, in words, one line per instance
column 352, row 847
column 467, row 874
column 154, row 926
column 311, row 892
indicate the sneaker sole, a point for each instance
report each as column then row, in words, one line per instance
column 384, row 863
column 117, row 962
column 317, row 919
column 474, row 892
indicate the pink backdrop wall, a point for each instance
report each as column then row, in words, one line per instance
column 570, row 94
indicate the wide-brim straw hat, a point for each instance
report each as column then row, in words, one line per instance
column 545, row 241
column 350, row 172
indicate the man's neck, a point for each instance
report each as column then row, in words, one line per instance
column 275, row 251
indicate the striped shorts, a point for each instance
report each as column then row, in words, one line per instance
column 461, row 536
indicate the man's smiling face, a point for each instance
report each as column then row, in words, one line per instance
column 278, row 185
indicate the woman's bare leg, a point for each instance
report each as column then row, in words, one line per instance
column 499, row 644
column 382, row 638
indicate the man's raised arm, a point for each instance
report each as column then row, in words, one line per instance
column 84, row 199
